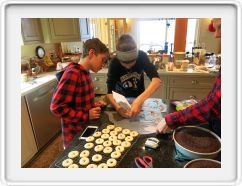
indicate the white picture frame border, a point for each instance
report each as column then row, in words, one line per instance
column 4, row 93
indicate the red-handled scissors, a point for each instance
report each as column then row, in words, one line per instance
column 145, row 162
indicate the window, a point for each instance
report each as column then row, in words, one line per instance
column 191, row 34
column 154, row 33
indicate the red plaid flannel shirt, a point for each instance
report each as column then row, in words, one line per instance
column 201, row 112
column 72, row 100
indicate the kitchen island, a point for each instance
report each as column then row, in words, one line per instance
column 163, row 157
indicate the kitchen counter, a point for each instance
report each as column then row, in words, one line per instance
column 41, row 80
column 163, row 157
column 174, row 72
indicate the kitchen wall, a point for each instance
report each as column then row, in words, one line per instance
column 204, row 36
column 28, row 51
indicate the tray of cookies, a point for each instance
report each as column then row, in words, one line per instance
column 104, row 149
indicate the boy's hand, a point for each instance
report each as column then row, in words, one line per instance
column 136, row 107
column 162, row 127
column 100, row 104
column 94, row 113
column 124, row 113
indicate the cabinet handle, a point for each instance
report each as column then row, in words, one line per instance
column 96, row 79
column 192, row 97
column 194, row 82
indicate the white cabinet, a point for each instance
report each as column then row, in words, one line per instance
column 58, row 30
column 99, row 81
column 31, row 30
column 28, row 144
column 187, row 86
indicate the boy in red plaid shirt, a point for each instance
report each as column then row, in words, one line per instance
column 208, row 109
column 73, row 99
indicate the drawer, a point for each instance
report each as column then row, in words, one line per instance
column 102, row 78
column 100, row 88
column 196, row 82
column 186, row 93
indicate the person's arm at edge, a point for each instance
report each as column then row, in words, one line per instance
column 200, row 112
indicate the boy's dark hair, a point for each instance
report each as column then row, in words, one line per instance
column 126, row 43
column 94, row 44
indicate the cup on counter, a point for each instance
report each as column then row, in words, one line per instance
column 24, row 77
column 178, row 63
column 184, row 65
column 170, row 66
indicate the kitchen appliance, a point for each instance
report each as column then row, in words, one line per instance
column 45, row 125
column 198, row 138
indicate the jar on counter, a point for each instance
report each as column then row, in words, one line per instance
column 24, row 77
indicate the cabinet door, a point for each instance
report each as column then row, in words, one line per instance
column 28, row 144
column 84, row 29
column 99, row 81
column 63, row 29
column 31, row 30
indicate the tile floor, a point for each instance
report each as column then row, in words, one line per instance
column 48, row 155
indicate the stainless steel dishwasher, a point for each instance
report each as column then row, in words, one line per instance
column 45, row 124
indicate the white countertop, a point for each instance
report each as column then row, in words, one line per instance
column 47, row 77
column 174, row 72
column 41, row 80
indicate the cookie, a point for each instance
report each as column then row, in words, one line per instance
column 110, row 127
column 105, row 131
column 92, row 166
column 67, row 162
column 89, row 145
column 116, row 142
column 107, row 143
column 134, row 133
column 105, row 136
column 98, row 148
column 90, row 139
column 73, row 154
column 112, row 162
column 84, row 153
column 112, row 138
column 107, row 150
column 99, row 141
column 96, row 157
column 129, row 138
column 97, row 134
column 73, row 166
column 118, row 129
column 115, row 154
column 102, row 165
column 84, row 161
column 126, row 144
column 121, row 136
column 119, row 148
column 126, row 131
column 113, row 133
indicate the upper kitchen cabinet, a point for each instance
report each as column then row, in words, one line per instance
column 85, row 29
column 57, row 30
column 31, row 30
